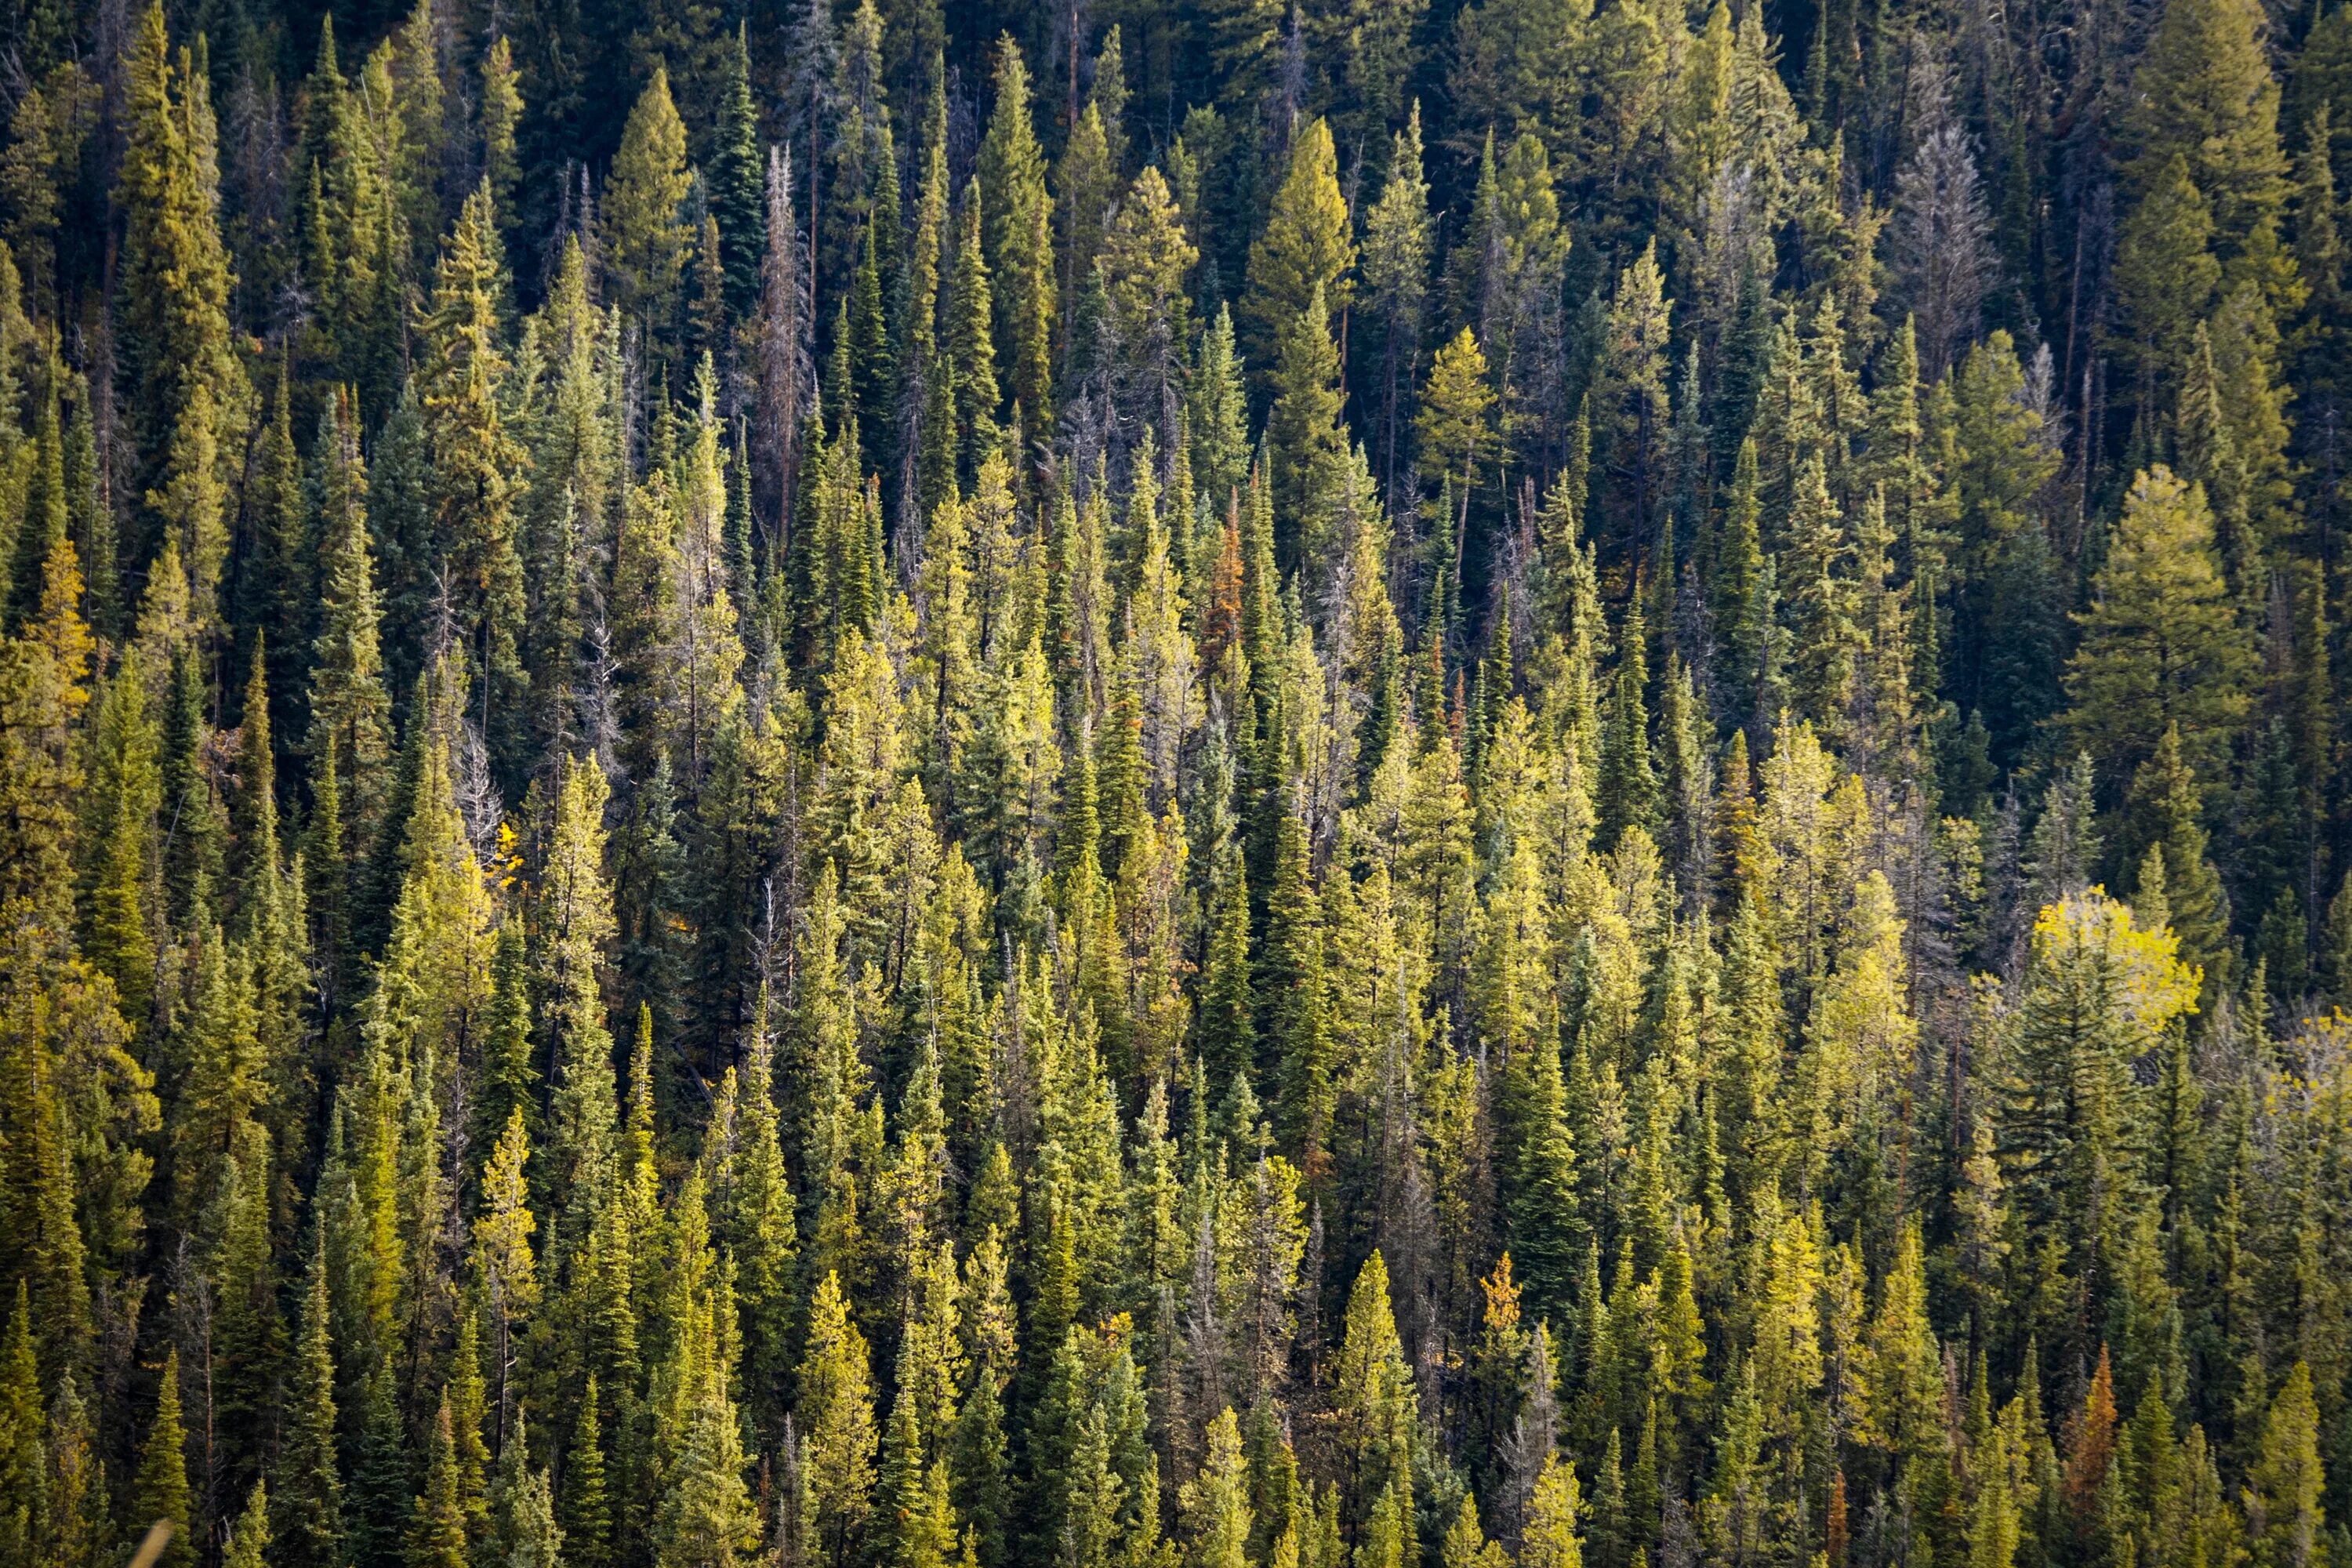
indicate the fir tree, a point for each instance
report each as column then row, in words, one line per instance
column 309, row 1501
column 2161, row 645
column 836, row 1423
column 1305, row 246
column 160, row 1486
column 645, row 237
column 738, row 176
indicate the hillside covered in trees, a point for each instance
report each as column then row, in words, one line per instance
column 1374, row 784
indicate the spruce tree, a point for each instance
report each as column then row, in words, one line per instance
column 474, row 462
column 176, row 280
column 1374, row 1400
column 160, row 1485
column 1291, row 983
column 1306, row 245
column 738, row 179
column 1017, row 224
column 645, row 237
column 835, row 1418
column 308, row 1505
column 2164, row 814
column 2161, row 645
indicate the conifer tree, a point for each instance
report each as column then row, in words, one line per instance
column 1550, row 1539
column 2161, row 645
column 176, row 280
column 646, row 236
column 1291, row 981
column 738, row 178
column 43, row 691
column 1306, row 444
column 1018, row 214
column 1216, row 1504
column 2203, row 90
column 499, row 113
column 474, row 461
column 835, row 1418
column 1306, row 245
column 1396, row 255
column 1628, row 787
column 24, row 1464
column 1145, row 259
column 2286, row 1482
column 160, row 1486
column 308, row 1505
column 1630, row 417
column 586, row 1502
column 1454, row 404
column 971, row 346
column 1374, row 1400
column 437, row 1527
column 273, row 579
column 576, row 922
column 2165, row 817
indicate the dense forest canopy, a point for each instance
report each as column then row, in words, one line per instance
column 1382, row 784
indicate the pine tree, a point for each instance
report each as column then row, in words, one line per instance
column 43, row 671
column 160, row 1486
column 2166, row 275
column 645, row 237
column 925, row 381
column 1630, row 416
column 1455, row 403
column 1215, row 1503
column 739, row 197
column 1396, row 257
column 437, row 1528
column 2203, row 90
column 836, row 1425
column 587, row 1512
column 1550, row 1538
column 474, row 459
column 1374, row 1400
column 2165, row 817
column 577, row 923
column 1018, row 217
column 2161, row 644
column 1291, row 978
column 502, row 1253
column 176, row 272
column 1545, row 1225
column 1305, row 246
column 1628, row 785
column 24, row 1463
column 309, row 1502
column 1305, row 444
column 1145, row 259
column 2286, row 1484
column 248, row 1538
column 706, row 1518
column 1086, row 183
column 273, row 579
column 499, row 113
column 970, row 347
column 1822, row 596
column 2099, row 992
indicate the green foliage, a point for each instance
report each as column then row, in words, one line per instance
column 643, row 234
column 1271, row 915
